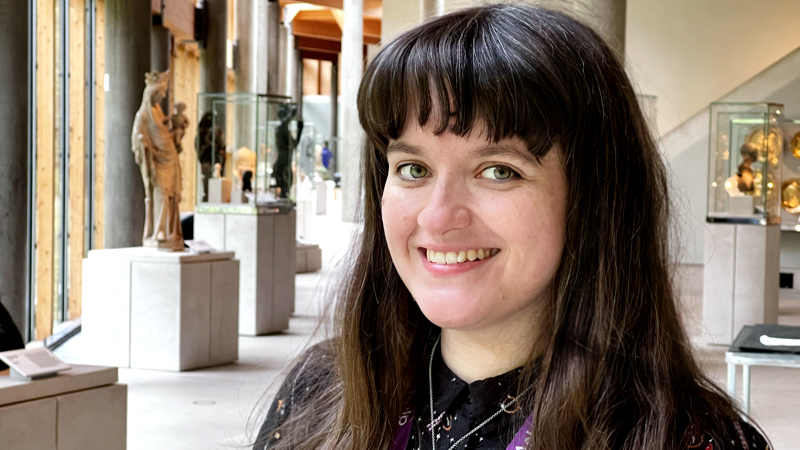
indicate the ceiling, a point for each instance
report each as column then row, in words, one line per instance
column 317, row 25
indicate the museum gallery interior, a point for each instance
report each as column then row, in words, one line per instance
column 180, row 180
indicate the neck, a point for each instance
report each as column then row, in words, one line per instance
column 479, row 354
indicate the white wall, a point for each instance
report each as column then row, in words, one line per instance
column 399, row 16
column 690, row 53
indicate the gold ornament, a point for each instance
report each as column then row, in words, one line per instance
column 790, row 194
column 774, row 142
column 796, row 145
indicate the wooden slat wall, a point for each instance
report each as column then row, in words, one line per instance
column 99, row 140
column 77, row 152
column 45, row 164
column 186, row 64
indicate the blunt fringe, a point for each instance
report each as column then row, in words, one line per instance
column 614, row 368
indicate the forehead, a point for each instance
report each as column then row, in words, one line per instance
column 423, row 140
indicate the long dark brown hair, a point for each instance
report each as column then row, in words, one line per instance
column 614, row 369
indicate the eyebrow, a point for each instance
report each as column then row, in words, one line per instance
column 482, row 152
column 403, row 147
column 502, row 150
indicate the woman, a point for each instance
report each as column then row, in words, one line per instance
column 512, row 285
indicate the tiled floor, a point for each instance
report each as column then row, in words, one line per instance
column 218, row 408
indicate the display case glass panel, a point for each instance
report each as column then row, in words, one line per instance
column 745, row 154
column 246, row 151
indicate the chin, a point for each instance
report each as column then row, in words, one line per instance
column 453, row 311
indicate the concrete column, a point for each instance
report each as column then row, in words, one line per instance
column 298, row 83
column 286, row 42
column 160, row 56
column 334, row 144
column 213, row 68
column 260, row 38
column 127, row 35
column 352, row 135
column 273, row 47
column 610, row 21
column 213, row 71
column 431, row 8
column 290, row 67
column 14, row 110
column 245, row 70
column 245, row 48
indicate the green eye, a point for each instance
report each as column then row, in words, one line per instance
column 498, row 173
column 413, row 171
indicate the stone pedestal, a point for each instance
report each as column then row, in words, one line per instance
column 309, row 258
column 151, row 309
column 219, row 190
column 265, row 245
column 740, row 279
column 82, row 408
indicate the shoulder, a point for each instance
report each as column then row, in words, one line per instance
column 312, row 372
column 740, row 436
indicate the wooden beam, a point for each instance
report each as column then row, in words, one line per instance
column 179, row 18
column 372, row 29
column 100, row 121
column 316, row 29
column 372, row 8
column 318, row 45
column 186, row 63
column 45, row 164
column 310, row 54
column 77, row 152
column 320, row 24
column 326, row 15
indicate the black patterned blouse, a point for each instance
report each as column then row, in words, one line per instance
column 460, row 407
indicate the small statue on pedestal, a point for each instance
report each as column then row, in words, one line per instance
column 179, row 123
column 210, row 144
column 155, row 152
column 282, row 170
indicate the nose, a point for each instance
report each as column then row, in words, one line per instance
column 446, row 208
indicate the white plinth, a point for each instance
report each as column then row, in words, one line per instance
column 740, row 279
column 321, row 192
column 305, row 218
column 219, row 190
column 82, row 408
column 151, row 309
column 265, row 245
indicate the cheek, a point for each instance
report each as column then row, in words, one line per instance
column 399, row 212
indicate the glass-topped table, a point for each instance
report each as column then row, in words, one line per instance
column 748, row 356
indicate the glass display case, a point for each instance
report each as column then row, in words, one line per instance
column 246, row 152
column 745, row 153
column 790, row 175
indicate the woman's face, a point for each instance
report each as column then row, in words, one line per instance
column 475, row 229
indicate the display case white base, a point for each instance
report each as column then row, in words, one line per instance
column 265, row 245
column 82, row 408
column 740, row 279
column 151, row 309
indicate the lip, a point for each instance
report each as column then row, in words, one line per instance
column 443, row 270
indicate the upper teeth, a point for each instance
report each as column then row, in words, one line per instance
column 460, row 257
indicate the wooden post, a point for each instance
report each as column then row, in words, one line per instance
column 100, row 106
column 186, row 64
column 77, row 153
column 45, row 164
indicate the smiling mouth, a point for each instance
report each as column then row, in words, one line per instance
column 449, row 258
